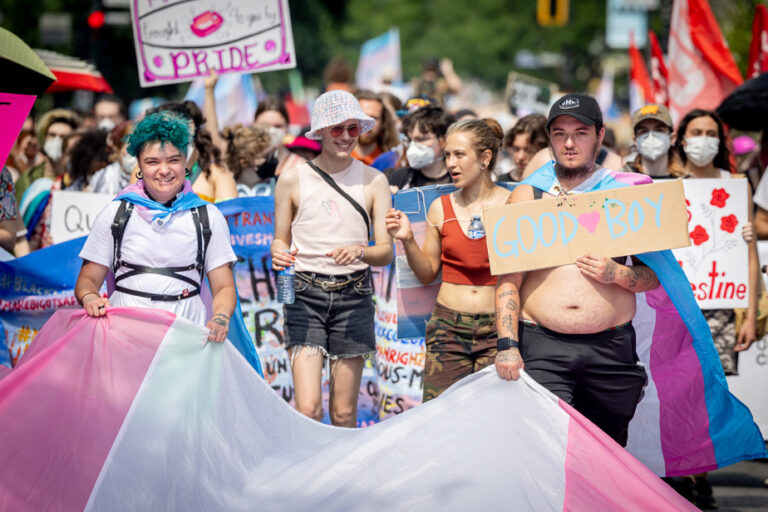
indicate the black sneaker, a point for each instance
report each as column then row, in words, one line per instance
column 704, row 498
column 682, row 486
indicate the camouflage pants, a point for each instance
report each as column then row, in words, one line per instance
column 458, row 344
column 721, row 323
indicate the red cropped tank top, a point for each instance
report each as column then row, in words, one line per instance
column 465, row 261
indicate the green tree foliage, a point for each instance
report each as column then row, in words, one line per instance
column 481, row 37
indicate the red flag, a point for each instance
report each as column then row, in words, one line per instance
column 640, row 91
column 702, row 71
column 659, row 73
column 758, row 51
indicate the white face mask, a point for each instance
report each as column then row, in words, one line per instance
column 653, row 145
column 419, row 155
column 52, row 148
column 277, row 135
column 106, row 124
column 128, row 163
column 701, row 150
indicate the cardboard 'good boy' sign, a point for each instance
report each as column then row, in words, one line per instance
column 616, row 222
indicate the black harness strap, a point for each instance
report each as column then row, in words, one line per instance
column 203, row 228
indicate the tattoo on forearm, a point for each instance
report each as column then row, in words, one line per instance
column 509, row 323
column 642, row 278
column 609, row 275
column 512, row 355
column 219, row 321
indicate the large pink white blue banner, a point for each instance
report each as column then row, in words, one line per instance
column 136, row 411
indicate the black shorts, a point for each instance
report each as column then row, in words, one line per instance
column 598, row 374
column 339, row 322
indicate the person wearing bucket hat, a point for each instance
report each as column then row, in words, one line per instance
column 325, row 210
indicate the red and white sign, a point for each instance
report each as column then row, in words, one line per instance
column 702, row 71
column 717, row 262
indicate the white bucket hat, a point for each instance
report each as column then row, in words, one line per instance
column 335, row 107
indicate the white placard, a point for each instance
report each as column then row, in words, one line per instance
column 179, row 40
column 750, row 384
column 717, row 262
column 73, row 213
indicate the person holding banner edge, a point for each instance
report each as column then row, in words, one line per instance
column 324, row 210
column 570, row 327
column 461, row 333
column 165, row 225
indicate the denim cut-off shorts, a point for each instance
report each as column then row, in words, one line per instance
column 339, row 323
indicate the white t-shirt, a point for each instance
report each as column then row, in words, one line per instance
column 173, row 245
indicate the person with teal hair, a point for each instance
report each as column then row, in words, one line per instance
column 159, row 238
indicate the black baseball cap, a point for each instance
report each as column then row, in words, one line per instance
column 581, row 106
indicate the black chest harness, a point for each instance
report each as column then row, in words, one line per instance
column 202, row 226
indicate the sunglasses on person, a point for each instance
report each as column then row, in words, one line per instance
column 353, row 130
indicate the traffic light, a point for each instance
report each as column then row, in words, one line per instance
column 552, row 13
column 96, row 20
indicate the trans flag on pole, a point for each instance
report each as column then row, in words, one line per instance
column 380, row 61
column 136, row 411
column 687, row 422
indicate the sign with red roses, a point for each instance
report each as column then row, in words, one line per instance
column 716, row 263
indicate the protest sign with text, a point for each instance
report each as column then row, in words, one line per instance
column 73, row 213
column 179, row 40
column 556, row 231
column 717, row 262
column 14, row 109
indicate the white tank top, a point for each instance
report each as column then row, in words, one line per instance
column 326, row 220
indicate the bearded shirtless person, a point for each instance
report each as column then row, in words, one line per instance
column 570, row 326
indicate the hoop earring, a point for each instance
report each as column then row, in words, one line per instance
column 187, row 172
column 139, row 175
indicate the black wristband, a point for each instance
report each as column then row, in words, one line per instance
column 506, row 343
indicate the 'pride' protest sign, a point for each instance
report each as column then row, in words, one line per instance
column 179, row 40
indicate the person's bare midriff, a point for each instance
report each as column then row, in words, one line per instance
column 565, row 301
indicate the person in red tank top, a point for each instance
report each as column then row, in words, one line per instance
column 461, row 333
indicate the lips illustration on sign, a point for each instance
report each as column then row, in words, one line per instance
column 206, row 23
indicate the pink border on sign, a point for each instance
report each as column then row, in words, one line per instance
column 283, row 58
column 14, row 109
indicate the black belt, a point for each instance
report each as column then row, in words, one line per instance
column 332, row 283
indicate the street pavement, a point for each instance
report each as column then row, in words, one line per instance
column 741, row 487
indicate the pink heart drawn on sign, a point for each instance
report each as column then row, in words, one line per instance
column 589, row 220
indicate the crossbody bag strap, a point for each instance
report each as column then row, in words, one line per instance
column 346, row 196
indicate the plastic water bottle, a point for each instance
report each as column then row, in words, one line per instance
column 286, row 293
column 476, row 229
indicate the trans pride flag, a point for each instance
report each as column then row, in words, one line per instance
column 687, row 422
column 135, row 411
